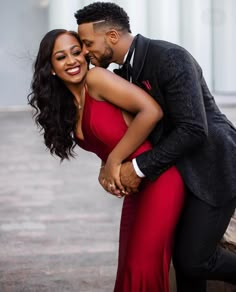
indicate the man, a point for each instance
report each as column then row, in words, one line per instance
column 194, row 135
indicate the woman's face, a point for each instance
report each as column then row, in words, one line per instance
column 68, row 61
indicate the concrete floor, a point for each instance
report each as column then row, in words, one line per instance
column 58, row 228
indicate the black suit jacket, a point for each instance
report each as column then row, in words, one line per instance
column 193, row 135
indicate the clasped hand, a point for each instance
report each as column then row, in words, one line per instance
column 119, row 179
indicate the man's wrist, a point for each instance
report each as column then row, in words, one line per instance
column 137, row 169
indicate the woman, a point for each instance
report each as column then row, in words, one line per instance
column 107, row 115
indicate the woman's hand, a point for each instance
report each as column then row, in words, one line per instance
column 109, row 177
column 112, row 176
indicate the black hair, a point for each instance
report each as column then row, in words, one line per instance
column 56, row 112
column 110, row 12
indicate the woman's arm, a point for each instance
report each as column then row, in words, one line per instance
column 104, row 85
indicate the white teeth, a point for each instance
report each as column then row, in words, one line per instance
column 73, row 70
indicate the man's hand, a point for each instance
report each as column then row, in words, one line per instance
column 129, row 178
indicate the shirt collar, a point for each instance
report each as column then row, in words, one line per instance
column 131, row 60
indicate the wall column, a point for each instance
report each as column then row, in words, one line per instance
column 196, row 33
column 163, row 20
column 224, row 41
column 61, row 14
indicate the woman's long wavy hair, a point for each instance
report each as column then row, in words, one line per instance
column 56, row 113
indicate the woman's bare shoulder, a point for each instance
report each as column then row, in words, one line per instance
column 96, row 72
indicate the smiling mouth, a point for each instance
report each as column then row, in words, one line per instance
column 73, row 71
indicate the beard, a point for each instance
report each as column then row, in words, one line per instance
column 106, row 59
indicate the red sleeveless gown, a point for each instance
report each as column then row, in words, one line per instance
column 148, row 218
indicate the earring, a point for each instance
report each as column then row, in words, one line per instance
column 53, row 73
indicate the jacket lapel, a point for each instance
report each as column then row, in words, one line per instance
column 141, row 49
column 143, row 76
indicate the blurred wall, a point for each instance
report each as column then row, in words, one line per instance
column 22, row 25
column 204, row 27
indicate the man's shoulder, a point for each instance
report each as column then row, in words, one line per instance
column 163, row 44
column 157, row 48
column 158, row 54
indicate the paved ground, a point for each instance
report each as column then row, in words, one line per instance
column 58, row 228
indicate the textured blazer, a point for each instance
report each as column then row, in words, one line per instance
column 193, row 134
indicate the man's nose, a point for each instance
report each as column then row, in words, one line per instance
column 85, row 50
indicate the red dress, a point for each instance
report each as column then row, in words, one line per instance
column 148, row 218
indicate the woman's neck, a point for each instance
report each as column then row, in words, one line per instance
column 78, row 91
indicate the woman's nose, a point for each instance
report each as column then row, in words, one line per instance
column 71, row 59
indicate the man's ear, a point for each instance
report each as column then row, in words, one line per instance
column 113, row 36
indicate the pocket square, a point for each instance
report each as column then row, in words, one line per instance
column 147, row 84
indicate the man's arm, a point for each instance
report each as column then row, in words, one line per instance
column 181, row 88
column 129, row 178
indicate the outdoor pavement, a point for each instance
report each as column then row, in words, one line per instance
column 58, row 228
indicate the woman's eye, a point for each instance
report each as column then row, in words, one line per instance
column 76, row 53
column 60, row 58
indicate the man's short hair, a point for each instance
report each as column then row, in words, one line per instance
column 112, row 15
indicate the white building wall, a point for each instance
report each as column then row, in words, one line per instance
column 196, row 33
column 61, row 14
column 164, row 20
column 23, row 24
column 224, row 43
column 204, row 27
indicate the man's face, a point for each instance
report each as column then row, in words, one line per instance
column 96, row 45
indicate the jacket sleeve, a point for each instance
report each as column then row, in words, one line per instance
column 181, row 89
